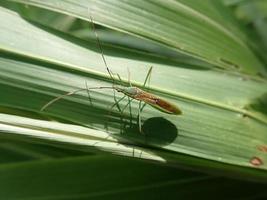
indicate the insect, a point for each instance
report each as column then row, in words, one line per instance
column 132, row 92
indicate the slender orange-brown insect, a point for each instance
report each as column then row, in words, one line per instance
column 130, row 91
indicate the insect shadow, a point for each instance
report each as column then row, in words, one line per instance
column 157, row 131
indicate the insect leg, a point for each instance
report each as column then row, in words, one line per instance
column 115, row 104
column 130, row 110
column 147, row 80
column 148, row 76
column 116, row 74
column 129, row 102
column 143, row 106
column 139, row 117
column 88, row 93
column 116, row 101
column 140, row 107
column 72, row 93
column 129, row 77
column 124, row 108
column 60, row 97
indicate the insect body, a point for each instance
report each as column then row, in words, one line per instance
column 151, row 99
column 131, row 91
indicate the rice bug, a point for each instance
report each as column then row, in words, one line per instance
column 132, row 92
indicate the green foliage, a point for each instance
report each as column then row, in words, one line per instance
column 203, row 60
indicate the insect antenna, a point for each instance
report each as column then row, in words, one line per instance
column 100, row 46
column 111, row 74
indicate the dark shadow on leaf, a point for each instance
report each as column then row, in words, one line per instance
column 122, row 52
column 156, row 131
column 159, row 131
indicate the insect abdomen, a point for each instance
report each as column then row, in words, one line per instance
column 167, row 107
column 158, row 103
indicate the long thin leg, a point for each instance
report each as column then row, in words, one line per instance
column 130, row 110
column 129, row 77
column 88, row 93
column 139, row 116
column 124, row 108
column 60, row 97
column 147, row 80
column 129, row 102
column 116, row 74
column 116, row 101
column 115, row 104
column 71, row 93
column 143, row 106
column 147, row 76
column 114, row 92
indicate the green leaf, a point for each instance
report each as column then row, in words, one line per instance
column 37, row 64
column 112, row 177
column 202, row 30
